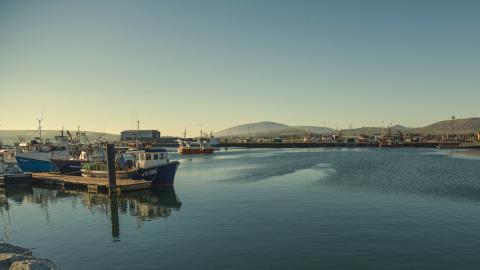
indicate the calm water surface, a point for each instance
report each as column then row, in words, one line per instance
column 276, row 209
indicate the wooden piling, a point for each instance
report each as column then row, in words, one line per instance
column 112, row 179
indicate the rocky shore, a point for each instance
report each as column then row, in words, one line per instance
column 18, row 258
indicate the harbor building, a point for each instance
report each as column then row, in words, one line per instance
column 140, row 135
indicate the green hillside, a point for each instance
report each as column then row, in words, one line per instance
column 11, row 136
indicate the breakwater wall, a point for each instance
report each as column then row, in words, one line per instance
column 317, row 145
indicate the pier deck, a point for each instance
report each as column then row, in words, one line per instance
column 92, row 184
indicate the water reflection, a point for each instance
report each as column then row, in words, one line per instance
column 15, row 195
column 114, row 215
column 144, row 205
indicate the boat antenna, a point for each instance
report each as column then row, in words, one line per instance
column 138, row 130
column 201, row 126
column 185, row 133
column 40, row 126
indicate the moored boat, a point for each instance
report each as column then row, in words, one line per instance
column 198, row 147
column 35, row 155
column 151, row 164
column 10, row 173
column 68, row 166
column 391, row 140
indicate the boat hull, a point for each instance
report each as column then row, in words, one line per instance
column 68, row 166
column 15, row 180
column 159, row 175
column 34, row 165
column 39, row 161
column 190, row 151
column 390, row 145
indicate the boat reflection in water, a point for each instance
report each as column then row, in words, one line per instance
column 145, row 205
column 14, row 195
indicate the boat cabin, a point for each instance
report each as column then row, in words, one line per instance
column 8, row 163
column 149, row 157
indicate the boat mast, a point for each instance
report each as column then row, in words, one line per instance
column 78, row 134
column 40, row 127
column 138, row 130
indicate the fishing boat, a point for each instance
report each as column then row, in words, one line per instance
column 391, row 140
column 68, row 166
column 150, row 164
column 35, row 155
column 73, row 164
column 194, row 147
column 10, row 173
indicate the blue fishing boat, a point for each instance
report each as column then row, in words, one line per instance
column 150, row 164
column 35, row 155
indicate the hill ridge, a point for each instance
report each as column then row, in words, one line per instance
column 461, row 126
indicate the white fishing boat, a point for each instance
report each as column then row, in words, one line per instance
column 35, row 155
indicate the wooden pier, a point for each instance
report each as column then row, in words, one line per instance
column 91, row 184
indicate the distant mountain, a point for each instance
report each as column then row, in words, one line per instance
column 269, row 129
column 11, row 136
column 253, row 128
column 460, row 126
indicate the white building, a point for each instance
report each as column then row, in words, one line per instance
column 140, row 135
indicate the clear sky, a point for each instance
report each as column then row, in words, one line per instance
column 215, row 64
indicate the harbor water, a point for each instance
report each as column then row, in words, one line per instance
column 334, row 208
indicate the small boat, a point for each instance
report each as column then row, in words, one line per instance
column 10, row 173
column 150, row 164
column 191, row 147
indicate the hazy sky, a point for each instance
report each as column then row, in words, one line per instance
column 214, row 64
